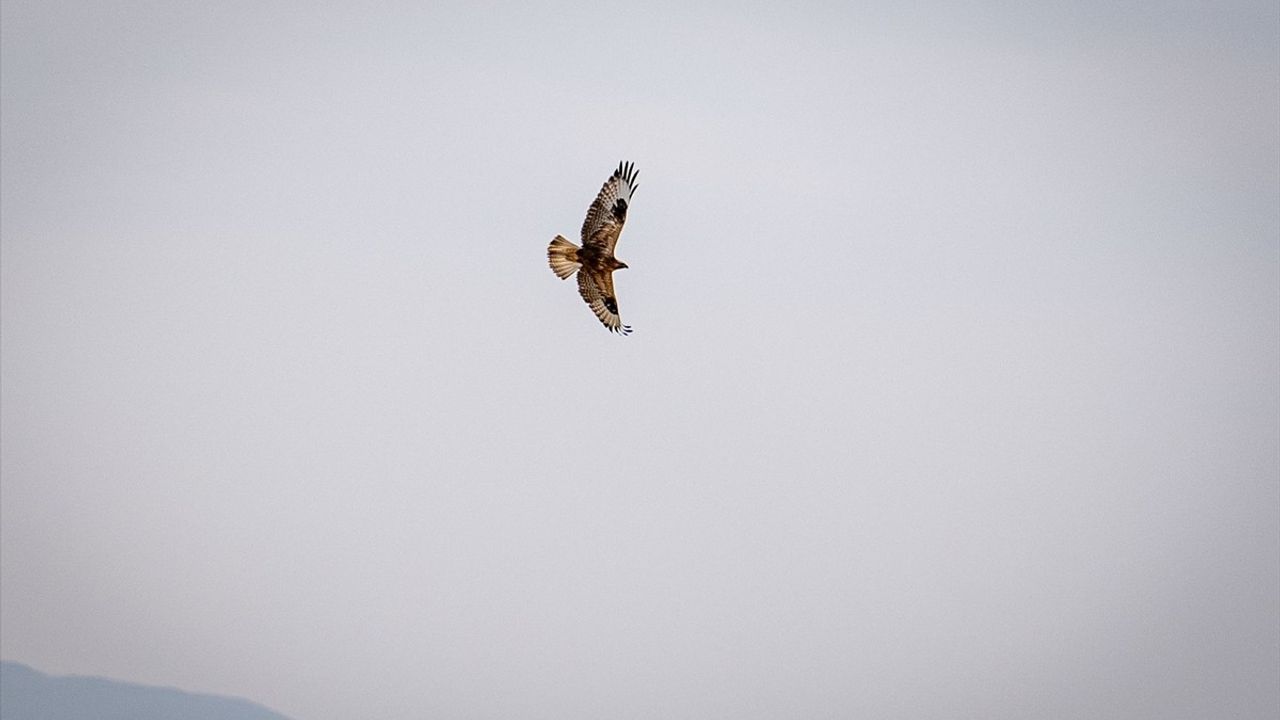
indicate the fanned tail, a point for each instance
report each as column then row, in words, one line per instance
column 562, row 256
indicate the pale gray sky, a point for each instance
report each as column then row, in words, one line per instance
column 954, row 390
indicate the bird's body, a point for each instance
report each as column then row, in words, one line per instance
column 594, row 262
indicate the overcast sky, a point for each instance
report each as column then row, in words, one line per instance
column 954, row 390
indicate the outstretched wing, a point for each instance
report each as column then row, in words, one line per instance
column 597, row 290
column 607, row 214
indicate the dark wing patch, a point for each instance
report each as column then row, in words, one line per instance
column 597, row 291
column 609, row 211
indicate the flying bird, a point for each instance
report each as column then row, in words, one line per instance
column 594, row 261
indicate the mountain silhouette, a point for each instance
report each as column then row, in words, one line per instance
column 27, row 694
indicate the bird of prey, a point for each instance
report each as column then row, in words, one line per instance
column 594, row 261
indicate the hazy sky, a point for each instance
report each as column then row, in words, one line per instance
column 954, row 390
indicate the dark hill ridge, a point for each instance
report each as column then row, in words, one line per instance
column 27, row 694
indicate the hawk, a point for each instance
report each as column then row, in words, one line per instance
column 594, row 261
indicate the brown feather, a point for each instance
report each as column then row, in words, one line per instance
column 594, row 261
column 608, row 212
column 597, row 291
